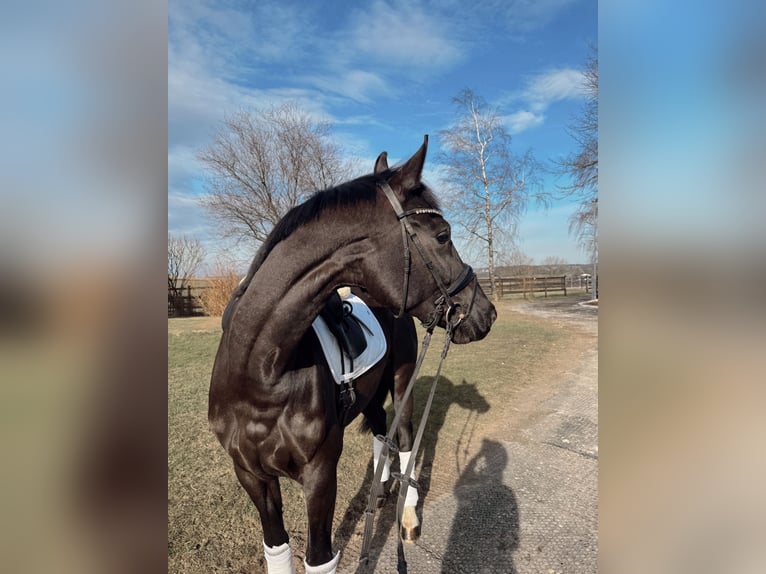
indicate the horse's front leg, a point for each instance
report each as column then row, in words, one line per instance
column 320, row 484
column 267, row 497
column 410, row 527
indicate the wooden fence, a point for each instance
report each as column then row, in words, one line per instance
column 185, row 302
column 509, row 285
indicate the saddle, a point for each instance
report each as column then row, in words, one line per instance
column 346, row 328
column 352, row 341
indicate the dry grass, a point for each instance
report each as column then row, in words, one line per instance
column 213, row 526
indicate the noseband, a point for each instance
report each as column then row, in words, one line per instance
column 408, row 235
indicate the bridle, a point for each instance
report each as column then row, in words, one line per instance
column 443, row 305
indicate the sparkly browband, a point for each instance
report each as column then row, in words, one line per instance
column 420, row 211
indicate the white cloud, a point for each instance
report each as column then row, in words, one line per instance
column 525, row 16
column 522, row 120
column 540, row 93
column 182, row 163
column 405, row 34
column 186, row 215
column 554, row 85
column 357, row 85
column 232, row 38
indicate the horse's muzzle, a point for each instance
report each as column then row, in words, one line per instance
column 476, row 325
column 472, row 314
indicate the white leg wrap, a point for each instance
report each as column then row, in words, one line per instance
column 327, row 568
column 377, row 448
column 279, row 559
column 412, row 493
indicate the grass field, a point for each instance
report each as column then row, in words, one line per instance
column 213, row 526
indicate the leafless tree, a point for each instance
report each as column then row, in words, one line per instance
column 491, row 185
column 185, row 256
column 520, row 263
column 582, row 165
column 555, row 265
column 262, row 163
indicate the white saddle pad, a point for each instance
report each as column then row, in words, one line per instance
column 339, row 362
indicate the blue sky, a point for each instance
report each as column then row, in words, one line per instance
column 384, row 73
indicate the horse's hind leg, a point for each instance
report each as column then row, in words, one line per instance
column 375, row 416
column 267, row 497
column 320, row 484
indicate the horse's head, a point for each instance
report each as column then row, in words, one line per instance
column 435, row 285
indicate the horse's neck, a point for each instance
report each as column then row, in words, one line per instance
column 286, row 295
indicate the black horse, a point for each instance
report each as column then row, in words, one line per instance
column 273, row 403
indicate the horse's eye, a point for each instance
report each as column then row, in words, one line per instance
column 443, row 237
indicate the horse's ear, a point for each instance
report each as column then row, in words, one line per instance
column 408, row 176
column 381, row 164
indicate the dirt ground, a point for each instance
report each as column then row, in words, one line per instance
column 578, row 311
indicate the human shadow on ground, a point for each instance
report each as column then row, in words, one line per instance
column 466, row 396
column 485, row 529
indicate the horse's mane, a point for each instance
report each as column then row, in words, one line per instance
column 360, row 190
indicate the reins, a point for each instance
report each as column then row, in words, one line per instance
column 444, row 300
column 404, row 478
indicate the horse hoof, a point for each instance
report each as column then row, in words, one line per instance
column 410, row 530
column 410, row 534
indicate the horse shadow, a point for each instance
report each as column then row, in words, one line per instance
column 464, row 395
column 485, row 530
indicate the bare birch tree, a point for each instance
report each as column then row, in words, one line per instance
column 582, row 165
column 492, row 186
column 263, row 163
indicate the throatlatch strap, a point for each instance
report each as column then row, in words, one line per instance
column 407, row 268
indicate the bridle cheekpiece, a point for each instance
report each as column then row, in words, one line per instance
column 443, row 304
